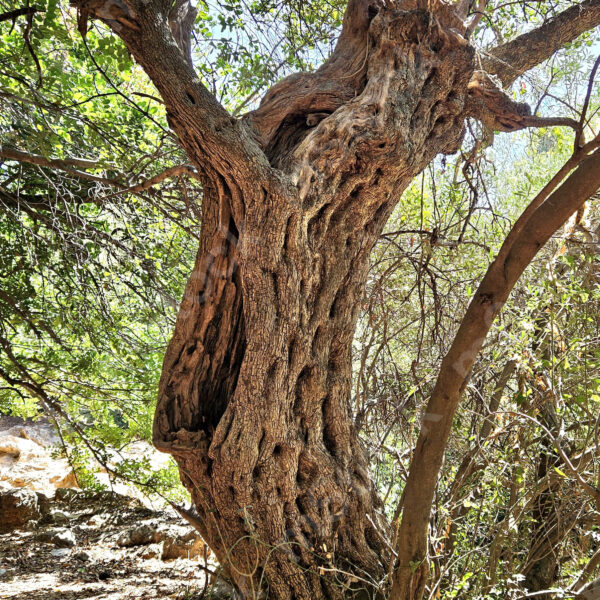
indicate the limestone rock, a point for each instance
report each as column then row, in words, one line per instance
column 25, row 460
column 152, row 551
column 175, row 541
column 59, row 517
column 17, row 508
column 138, row 535
column 180, row 542
column 59, row 536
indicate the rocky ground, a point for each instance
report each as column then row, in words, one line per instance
column 59, row 542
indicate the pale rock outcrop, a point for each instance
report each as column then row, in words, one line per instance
column 26, row 459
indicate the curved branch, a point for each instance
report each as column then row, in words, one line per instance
column 526, row 51
column 295, row 102
column 491, row 295
column 169, row 173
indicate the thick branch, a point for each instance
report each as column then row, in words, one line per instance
column 213, row 140
column 456, row 366
column 478, row 15
column 181, row 22
column 491, row 105
column 526, row 51
column 19, row 12
column 302, row 99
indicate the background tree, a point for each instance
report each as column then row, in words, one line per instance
column 256, row 385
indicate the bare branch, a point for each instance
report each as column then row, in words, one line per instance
column 491, row 105
column 579, row 138
column 36, row 159
column 166, row 174
column 580, row 585
column 593, row 492
column 65, row 165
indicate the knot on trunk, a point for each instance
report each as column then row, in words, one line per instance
column 489, row 103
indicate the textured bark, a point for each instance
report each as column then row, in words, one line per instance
column 254, row 400
column 255, row 392
column 542, row 567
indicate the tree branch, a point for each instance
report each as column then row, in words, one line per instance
column 580, row 136
column 580, row 586
column 35, row 159
column 512, row 59
column 181, row 21
column 11, row 15
column 457, row 364
column 491, row 105
column 65, row 165
column 166, row 174
column 214, row 141
column 477, row 16
column 323, row 91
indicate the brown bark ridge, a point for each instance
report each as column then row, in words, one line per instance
column 254, row 398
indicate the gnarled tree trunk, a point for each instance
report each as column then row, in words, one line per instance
column 255, row 392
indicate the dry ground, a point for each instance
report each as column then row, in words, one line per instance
column 96, row 566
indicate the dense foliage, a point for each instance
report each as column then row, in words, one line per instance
column 99, row 220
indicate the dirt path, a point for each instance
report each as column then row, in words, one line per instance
column 101, row 546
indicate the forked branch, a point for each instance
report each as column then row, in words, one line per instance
column 157, row 35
